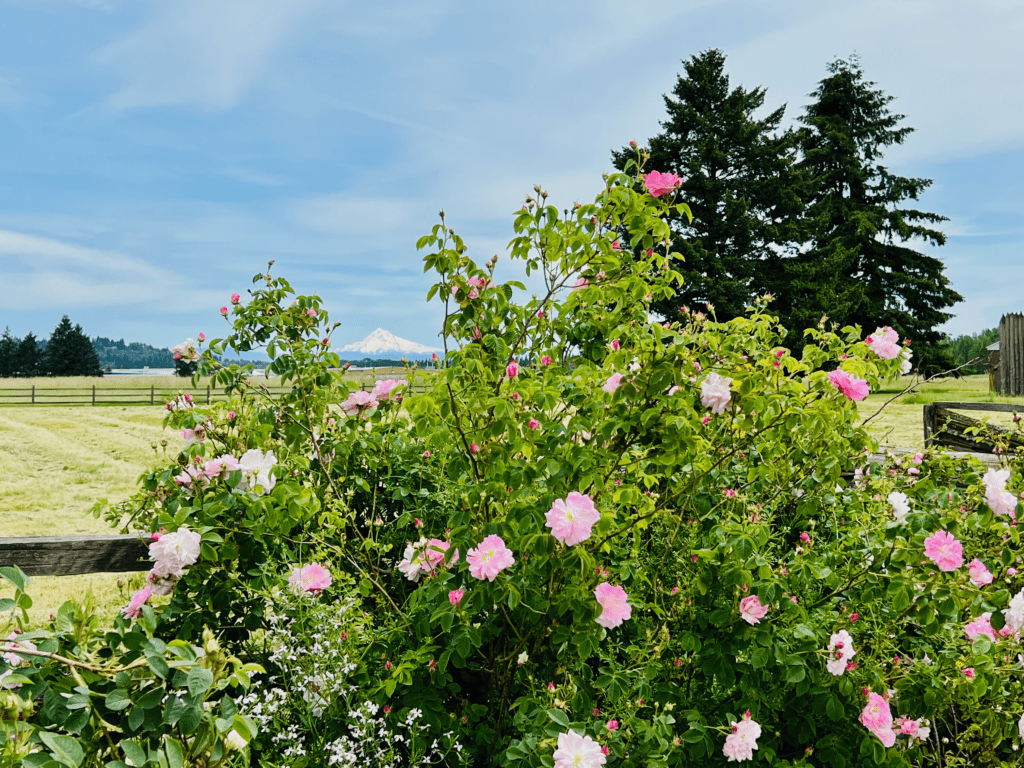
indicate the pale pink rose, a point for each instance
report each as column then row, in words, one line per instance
column 1001, row 501
column 659, row 184
column 189, row 476
column 11, row 657
column 489, row 558
column 581, row 284
column 715, row 393
column 883, row 342
column 980, row 575
column 434, row 554
column 741, row 743
column 311, row 578
column 751, row 610
column 571, row 519
column 852, row 387
column 981, row 626
column 840, row 647
column 614, row 606
column 914, row 729
column 186, row 350
column 944, row 550
column 161, row 585
column 533, row 424
column 455, row 596
column 512, row 369
column 134, row 607
column 222, row 465
column 191, row 435
column 545, row 360
column 175, row 551
column 256, row 469
column 575, row 751
column 613, row 383
column 877, row 718
column 480, row 282
column 359, row 402
column 413, row 562
column 385, row 390
column 235, row 298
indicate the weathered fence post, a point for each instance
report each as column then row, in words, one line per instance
column 94, row 394
column 152, row 394
column 207, row 395
column 1010, row 374
column 33, row 394
column 929, row 415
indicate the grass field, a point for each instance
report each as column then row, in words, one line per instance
column 56, row 462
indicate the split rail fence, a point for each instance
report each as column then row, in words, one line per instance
column 152, row 395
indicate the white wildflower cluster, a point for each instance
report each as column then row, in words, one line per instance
column 373, row 740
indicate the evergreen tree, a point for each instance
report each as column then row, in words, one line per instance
column 8, row 353
column 740, row 181
column 29, row 356
column 859, row 268
column 69, row 352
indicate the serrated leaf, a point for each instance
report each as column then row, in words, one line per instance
column 66, row 749
column 558, row 717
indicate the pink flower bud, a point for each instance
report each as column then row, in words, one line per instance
column 534, row 424
column 545, row 360
column 474, row 448
column 612, row 725
column 224, row 311
column 455, row 596
column 235, row 298
column 512, row 369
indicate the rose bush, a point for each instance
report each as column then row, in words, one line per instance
column 592, row 517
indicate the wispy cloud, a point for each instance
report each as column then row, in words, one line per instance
column 207, row 53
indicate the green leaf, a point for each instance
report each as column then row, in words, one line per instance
column 175, row 754
column 834, row 709
column 133, row 752
column 558, row 717
column 64, row 748
column 14, row 575
column 117, row 700
column 199, row 680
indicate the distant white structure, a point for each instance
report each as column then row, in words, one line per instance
column 382, row 343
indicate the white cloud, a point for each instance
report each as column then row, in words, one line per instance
column 203, row 52
column 41, row 271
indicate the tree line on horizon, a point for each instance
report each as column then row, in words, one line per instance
column 808, row 214
column 70, row 352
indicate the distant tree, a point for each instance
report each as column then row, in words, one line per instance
column 740, row 181
column 30, row 357
column 969, row 347
column 69, row 352
column 858, row 267
column 8, row 353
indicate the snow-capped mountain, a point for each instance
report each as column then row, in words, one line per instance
column 381, row 343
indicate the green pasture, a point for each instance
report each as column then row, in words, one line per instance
column 56, row 462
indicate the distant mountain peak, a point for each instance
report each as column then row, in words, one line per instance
column 384, row 341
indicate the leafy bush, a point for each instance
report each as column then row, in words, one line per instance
column 595, row 534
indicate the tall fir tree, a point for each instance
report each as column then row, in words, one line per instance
column 740, row 181
column 8, row 353
column 29, row 356
column 69, row 352
column 859, row 267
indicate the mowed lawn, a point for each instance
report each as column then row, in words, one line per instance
column 55, row 463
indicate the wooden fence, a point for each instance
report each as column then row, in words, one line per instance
column 74, row 555
column 1009, row 373
column 153, row 395
column 942, row 426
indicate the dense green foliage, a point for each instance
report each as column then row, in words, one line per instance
column 719, row 467
column 69, row 352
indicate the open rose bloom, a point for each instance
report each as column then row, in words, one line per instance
column 490, row 558
column 884, row 343
column 877, row 718
column 615, row 607
column 848, row 384
column 741, row 743
column 571, row 519
column 944, row 550
column 310, row 578
column 751, row 610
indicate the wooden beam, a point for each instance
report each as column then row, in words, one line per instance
column 73, row 555
column 1001, row 407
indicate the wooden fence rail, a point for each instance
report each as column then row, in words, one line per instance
column 127, row 395
column 942, row 426
column 74, row 555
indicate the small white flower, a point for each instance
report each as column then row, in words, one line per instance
column 523, row 658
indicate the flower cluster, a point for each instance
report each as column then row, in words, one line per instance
column 173, row 553
column 840, row 649
column 741, row 743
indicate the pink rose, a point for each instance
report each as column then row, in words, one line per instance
column 134, row 607
column 435, row 553
column 224, row 311
column 312, row 578
column 616, row 345
column 616, row 246
column 883, row 342
column 614, row 606
column 877, row 718
column 512, row 369
column 980, row 575
column 944, row 550
column 235, row 298
column 715, row 392
column 981, row 626
column 571, row 519
column 612, row 725
column 534, row 424
column 849, row 385
column 383, row 390
column 359, row 402
column 474, row 448
column 659, row 184
column 545, row 360
column 751, row 610
column 741, row 743
column 455, row 596
column 613, row 383
column 489, row 558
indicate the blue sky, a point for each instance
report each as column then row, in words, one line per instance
column 154, row 155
